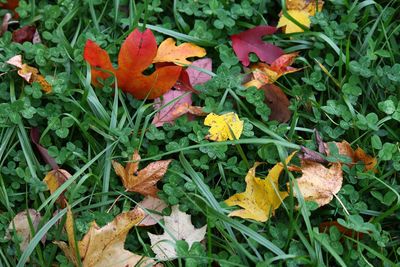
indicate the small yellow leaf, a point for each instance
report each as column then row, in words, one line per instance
column 262, row 196
column 169, row 52
column 290, row 27
column 224, row 127
column 54, row 179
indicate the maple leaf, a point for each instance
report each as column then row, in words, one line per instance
column 268, row 74
column 168, row 52
column 262, row 196
column 196, row 76
column 29, row 74
column 278, row 102
column 136, row 55
column 154, row 206
column 170, row 112
column 143, row 181
column 250, row 41
column 224, row 127
column 104, row 246
column 178, row 226
column 20, row 224
column 54, row 179
column 319, row 183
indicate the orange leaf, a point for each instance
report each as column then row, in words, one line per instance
column 168, row 52
column 143, row 181
column 135, row 56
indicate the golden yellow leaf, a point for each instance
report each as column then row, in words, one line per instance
column 262, row 196
column 105, row 246
column 306, row 5
column 54, row 179
column 319, row 183
column 145, row 180
column 224, row 127
column 29, row 74
column 290, row 27
column 169, row 52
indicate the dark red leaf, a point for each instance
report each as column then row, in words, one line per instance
column 35, row 135
column 25, row 34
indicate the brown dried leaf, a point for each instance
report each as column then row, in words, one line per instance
column 278, row 102
column 143, row 181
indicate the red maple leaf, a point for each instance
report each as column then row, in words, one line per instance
column 251, row 41
column 136, row 55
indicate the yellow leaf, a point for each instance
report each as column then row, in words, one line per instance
column 29, row 74
column 224, row 127
column 319, row 183
column 262, row 196
column 290, row 27
column 306, row 5
column 168, row 52
column 105, row 246
column 54, row 179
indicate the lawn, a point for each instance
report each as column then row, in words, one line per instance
column 199, row 133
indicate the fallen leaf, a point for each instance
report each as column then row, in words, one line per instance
column 105, row 246
column 262, row 196
column 319, row 183
column 346, row 231
column 169, row 52
column 250, row 41
column 267, row 74
column 183, row 83
column 54, row 179
column 4, row 25
column 25, row 34
column 10, row 5
column 355, row 155
column 143, row 181
column 29, row 74
column 35, row 136
column 311, row 155
column 153, row 207
column 224, row 127
column 300, row 10
column 278, row 102
column 300, row 16
column 20, row 224
column 178, row 226
column 196, row 76
column 135, row 56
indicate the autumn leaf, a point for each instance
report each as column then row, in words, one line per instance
column 178, row 226
column 250, row 41
column 29, row 74
column 11, row 5
column 172, row 111
column 4, row 25
column 168, row 52
column 104, row 246
column 153, row 207
column 54, row 179
column 25, row 34
column 278, row 102
column 196, row 76
column 35, row 136
column 268, row 74
column 300, row 10
column 262, row 196
column 319, row 183
column 355, row 155
column 20, row 225
column 135, row 56
column 224, row 127
column 143, row 181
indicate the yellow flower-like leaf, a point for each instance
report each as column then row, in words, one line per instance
column 169, row 52
column 262, row 196
column 224, row 127
column 290, row 27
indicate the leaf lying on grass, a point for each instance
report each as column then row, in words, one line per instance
column 54, row 179
column 168, row 52
column 104, row 246
column 278, row 102
column 250, row 41
column 224, row 127
column 178, row 226
column 29, row 74
column 262, row 196
column 153, row 206
column 143, row 181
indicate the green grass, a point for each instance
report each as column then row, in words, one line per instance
column 355, row 98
